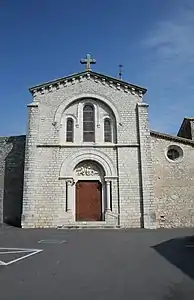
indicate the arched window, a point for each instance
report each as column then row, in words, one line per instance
column 88, row 123
column 107, row 130
column 69, row 130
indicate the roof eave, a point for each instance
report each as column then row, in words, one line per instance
column 39, row 86
column 172, row 137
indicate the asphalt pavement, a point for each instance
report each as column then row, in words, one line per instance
column 96, row 264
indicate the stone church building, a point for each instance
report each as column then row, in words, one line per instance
column 91, row 160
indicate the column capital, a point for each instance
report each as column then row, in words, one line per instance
column 107, row 182
column 70, row 181
column 110, row 178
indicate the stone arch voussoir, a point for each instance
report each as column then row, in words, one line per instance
column 68, row 165
column 61, row 108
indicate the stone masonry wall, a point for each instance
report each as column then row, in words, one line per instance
column 129, row 186
column 173, row 184
column 50, row 101
column 49, row 205
column 44, row 193
column 11, row 179
column 145, row 168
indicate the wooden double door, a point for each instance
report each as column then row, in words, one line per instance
column 88, row 201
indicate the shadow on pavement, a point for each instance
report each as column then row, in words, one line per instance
column 179, row 252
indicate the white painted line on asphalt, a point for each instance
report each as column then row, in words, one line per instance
column 25, row 256
column 17, row 251
column 29, row 252
column 22, row 249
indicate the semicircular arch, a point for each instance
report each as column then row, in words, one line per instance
column 68, row 165
column 61, row 108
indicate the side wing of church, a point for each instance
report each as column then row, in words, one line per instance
column 91, row 160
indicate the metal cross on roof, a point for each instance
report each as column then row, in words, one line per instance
column 88, row 61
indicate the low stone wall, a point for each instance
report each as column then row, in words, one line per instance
column 12, row 151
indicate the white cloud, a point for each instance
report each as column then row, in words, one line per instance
column 170, row 75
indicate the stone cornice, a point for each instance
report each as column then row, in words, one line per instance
column 87, row 146
column 87, row 75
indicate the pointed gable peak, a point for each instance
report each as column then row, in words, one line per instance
column 72, row 79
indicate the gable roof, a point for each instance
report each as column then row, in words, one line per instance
column 88, row 73
column 171, row 138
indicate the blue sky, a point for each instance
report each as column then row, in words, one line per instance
column 153, row 39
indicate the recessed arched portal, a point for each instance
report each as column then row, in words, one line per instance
column 91, row 171
column 90, row 200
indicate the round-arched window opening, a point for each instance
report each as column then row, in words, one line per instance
column 174, row 153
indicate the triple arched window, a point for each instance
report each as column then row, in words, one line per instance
column 89, row 126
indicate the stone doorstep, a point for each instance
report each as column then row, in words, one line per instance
column 87, row 227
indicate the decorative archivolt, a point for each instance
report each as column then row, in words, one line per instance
column 98, row 157
column 62, row 107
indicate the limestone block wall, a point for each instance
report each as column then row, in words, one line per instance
column 51, row 106
column 173, row 183
column 11, row 179
column 145, row 168
column 50, row 197
column 45, row 195
column 49, row 192
column 129, row 187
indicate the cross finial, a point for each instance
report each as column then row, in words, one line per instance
column 120, row 71
column 88, row 61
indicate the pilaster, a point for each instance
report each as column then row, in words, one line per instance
column 145, row 168
column 30, row 178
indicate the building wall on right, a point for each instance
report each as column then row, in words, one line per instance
column 173, row 172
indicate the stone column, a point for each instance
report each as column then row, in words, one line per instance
column 108, row 195
column 69, row 194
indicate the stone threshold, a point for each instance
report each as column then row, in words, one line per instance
column 88, row 227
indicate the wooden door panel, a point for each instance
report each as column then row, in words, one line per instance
column 88, row 201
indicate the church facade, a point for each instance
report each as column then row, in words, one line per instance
column 83, row 157
column 92, row 160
